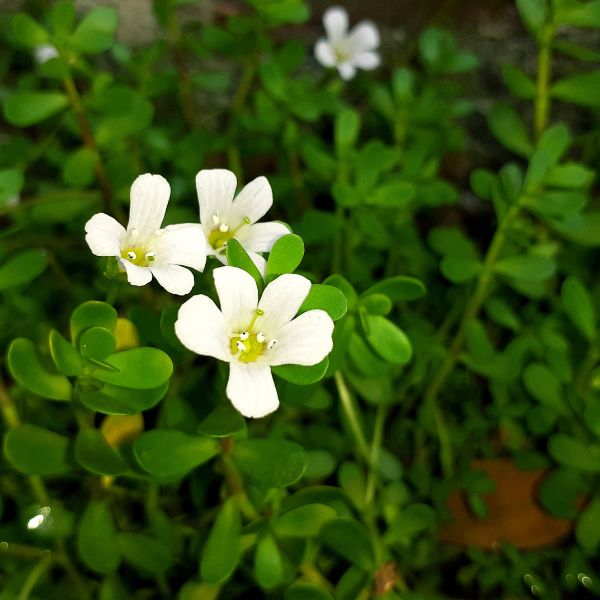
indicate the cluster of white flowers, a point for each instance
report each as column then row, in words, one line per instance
column 251, row 334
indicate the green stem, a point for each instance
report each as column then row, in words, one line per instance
column 239, row 100
column 471, row 311
column 36, row 573
column 542, row 96
column 351, row 412
column 589, row 362
column 235, row 481
column 380, row 416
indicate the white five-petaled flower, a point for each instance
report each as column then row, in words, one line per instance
column 253, row 335
column 224, row 218
column 347, row 50
column 144, row 249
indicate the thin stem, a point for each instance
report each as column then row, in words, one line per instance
column 380, row 416
column 235, row 483
column 471, row 311
column 34, row 576
column 239, row 100
column 351, row 412
column 542, row 96
column 589, row 362
column 90, row 143
column 22, row 551
column 312, row 574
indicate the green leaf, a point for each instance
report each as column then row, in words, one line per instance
column 27, row 368
column 238, row 257
column 273, row 463
column 11, row 184
column 223, row 421
column 345, row 286
column 574, row 453
column 387, row 340
column 375, row 304
column 579, row 14
column 458, row 269
column 561, row 491
column 550, row 147
column 96, row 31
column 350, row 539
column 65, row 357
column 97, row 538
column 138, row 368
column 393, row 194
column 587, row 531
column 37, row 451
column 570, row 176
column 23, row 109
column 533, row 13
column 328, row 298
column 300, row 374
column 92, row 314
column 517, row 82
column 97, row 343
column 268, row 563
column 409, row 522
column 93, row 452
column 306, row 591
column 398, row 289
column 526, row 267
column 583, row 89
column 172, row 453
column 145, row 553
column 22, row 268
column 221, row 552
column 286, row 254
column 545, row 387
column 508, row 128
column 346, row 129
column 116, row 400
column 27, row 31
column 579, row 307
column 303, row 521
column 78, row 171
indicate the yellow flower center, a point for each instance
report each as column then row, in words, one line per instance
column 138, row 255
column 222, row 232
column 248, row 345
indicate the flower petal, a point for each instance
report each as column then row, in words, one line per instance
column 136, row 275
column 238, row 296
column 259, row 262
column 175, row 279
column 216, row 188
column 367, row 60
column 104, row 235
column 183, row 244
column 304, row 341
column 252, row 202
column 201, row 328
column 260, row 237
column 347, row 71
column 149, row 198
column 280, row 302
column 365, row 36
column 335, row 21
column 251, row 389
column 324, row 53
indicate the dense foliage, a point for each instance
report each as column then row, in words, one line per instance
column 465, row 371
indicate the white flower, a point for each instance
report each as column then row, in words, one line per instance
column 44, row 53
column 223, row 218
column 144, row 249
column 252, row 335
column 347, row 50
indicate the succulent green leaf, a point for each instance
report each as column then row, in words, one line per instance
column 97, row 538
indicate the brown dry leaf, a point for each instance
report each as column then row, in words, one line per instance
column 514, row 514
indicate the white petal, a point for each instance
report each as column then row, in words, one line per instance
column 304, row 341
column 324, row 53
column 201, row 328
column 261, row 236
column 252, row 202
column 175, row 279
column 104, row 235
column 280, row 301
column 238, row 296
column 149, row 198
column 335, row 21
column 367, row 60
column 216, row 188
column 136, row 275
column 347, row 71
column 260, row 263
column 251, row 389
column 183, row 244
column 365, row 36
